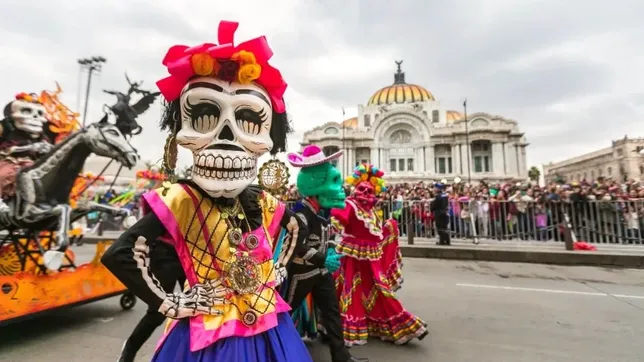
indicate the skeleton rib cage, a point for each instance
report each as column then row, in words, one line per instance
column 220, row 265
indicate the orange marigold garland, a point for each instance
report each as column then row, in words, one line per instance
column 247, row 69
column 81, row 184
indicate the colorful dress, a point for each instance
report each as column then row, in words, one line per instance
column 369, row 275
column 253, row 324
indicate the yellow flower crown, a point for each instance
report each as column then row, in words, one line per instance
column 369, row 173
column 248, row 70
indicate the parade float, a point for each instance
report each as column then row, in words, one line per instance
column 150, row 178
column 42, row 153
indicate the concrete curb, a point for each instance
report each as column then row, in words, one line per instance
column 503, row 254
column 576, row 258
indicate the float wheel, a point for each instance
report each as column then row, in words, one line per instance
column 128, row 301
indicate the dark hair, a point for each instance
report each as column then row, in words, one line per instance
column 280, row 127
column 7, row 110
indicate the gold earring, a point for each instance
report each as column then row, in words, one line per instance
column 170, row 155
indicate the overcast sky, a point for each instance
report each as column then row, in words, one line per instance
column 570, row 72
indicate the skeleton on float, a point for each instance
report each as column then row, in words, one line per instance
column 42, row 151
column 37, row 176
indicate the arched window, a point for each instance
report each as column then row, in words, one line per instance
column 331, row 131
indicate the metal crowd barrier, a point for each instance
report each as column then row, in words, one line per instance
column 615, row 222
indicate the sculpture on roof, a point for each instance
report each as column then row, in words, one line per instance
column 125, row 112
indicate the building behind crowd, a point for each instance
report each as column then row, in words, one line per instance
column 405, row 131
column 621, row 161
column 95, row 165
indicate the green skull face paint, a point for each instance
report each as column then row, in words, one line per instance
column 324, row 182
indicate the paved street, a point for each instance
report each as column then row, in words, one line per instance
column 477, row 311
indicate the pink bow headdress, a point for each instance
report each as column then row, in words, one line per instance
column 243, row 63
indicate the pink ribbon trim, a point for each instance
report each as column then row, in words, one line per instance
column 178, row 62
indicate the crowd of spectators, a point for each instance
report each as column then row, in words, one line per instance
column 605, row 210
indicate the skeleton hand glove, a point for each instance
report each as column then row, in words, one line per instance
column 332, row 262
column 42, row 147
column 200, row 299
column 280, row 274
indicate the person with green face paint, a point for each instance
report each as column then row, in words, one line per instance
column 320, row 184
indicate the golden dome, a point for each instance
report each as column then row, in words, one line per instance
column 350, row 123
column 452, row 116
column 400, row 92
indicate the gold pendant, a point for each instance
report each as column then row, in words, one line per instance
column 251, row 242
column 243, row 274
column 224, row 215
column 235, row 236
column 166, row 187
column 273, row 177
column 249, row 318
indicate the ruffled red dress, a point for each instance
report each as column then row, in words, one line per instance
column 369, row 275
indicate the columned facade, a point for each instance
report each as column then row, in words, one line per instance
column 405, row 131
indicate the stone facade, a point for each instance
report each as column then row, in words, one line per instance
column 621, row 161
column 406, row 132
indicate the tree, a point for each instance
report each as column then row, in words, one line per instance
column 534, row 173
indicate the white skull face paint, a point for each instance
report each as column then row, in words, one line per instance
column 227, row 127
column 28, row 117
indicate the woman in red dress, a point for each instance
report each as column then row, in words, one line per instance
column 370, row 272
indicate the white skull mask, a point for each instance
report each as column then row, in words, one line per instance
column 227, row 127
column 28, row 117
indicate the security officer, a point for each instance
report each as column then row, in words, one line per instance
column 439, row 207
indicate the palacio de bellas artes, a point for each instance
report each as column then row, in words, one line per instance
column 405, row 129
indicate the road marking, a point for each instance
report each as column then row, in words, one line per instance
column 554, row 291
column 104, row 320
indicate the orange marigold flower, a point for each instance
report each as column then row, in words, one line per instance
column 244, row 57
column 248, row 73
column 202, row 64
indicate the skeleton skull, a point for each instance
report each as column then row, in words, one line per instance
column 365, row 195
column 324, row 182
column 227, row 127
column 28, row 117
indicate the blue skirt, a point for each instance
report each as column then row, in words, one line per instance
column 280, row 344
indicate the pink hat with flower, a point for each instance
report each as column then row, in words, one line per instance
column 311, row 156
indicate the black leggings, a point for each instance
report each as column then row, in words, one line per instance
column 167, row 276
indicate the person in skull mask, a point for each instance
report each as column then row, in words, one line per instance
column 439, row 207
column 22, row 140
column 225, row 104
column 371, row 267
column 320, row 185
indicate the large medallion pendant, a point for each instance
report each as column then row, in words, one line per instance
column 243, row 274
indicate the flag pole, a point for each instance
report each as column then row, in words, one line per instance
column 345, row 153
column 467, row 140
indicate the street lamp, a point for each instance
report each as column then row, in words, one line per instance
column 93, row 64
